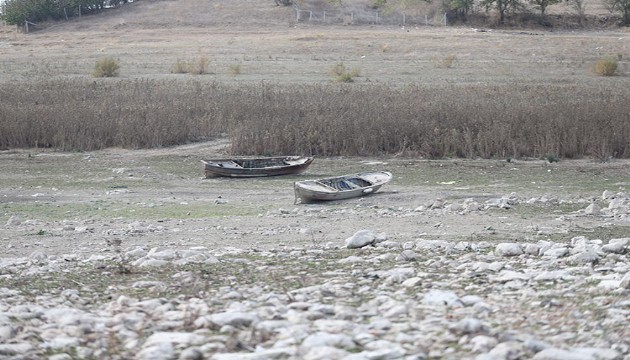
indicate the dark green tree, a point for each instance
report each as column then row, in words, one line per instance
column 15, row 12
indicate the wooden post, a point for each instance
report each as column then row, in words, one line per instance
column 324, row 16
column 403, row 19
column 444, row 19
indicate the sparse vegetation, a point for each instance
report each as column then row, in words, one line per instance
column 106, row 67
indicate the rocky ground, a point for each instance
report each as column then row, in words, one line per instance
column 452, row 260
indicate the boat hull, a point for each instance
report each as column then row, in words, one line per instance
column 256, row 167
column 340, row 188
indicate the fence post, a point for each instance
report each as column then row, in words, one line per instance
column 26, row 26
column 444, row 19
column 310, row 16
column 403, row 19
column 376, row 16
column 324, row 16
column 426, row 20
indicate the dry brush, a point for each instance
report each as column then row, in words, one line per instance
column 489, row 121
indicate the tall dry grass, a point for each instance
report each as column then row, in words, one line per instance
column 568, row 121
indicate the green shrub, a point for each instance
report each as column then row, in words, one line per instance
column 552, row 158
column 107, row 67
column 606, row 67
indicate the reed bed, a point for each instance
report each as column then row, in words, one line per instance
column 487, row 121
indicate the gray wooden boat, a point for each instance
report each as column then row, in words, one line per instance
column 340, row 187
column 253, row 167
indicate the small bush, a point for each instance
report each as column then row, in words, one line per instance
column 107, row 67
column 180, row 67
column 606, row 67
column 341, row 73
column 552, row 158
column 199, row 67
column 235, row 69
column 446, row 62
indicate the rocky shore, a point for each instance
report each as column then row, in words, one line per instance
column 365, row 297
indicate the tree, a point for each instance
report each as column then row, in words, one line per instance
column 460, row 8
column 542, row 4
column 502, row 6
column 15, row 12
column 621, row 6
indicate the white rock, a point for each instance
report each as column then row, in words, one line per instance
column 440, row 297
column 360, row 239
column 560, row 354
column 556, row 252
column 468, row 326
column 483, row 343
column 412, row 282
column 321, row 338
column 236, row 319
column 325, row 353
column 407, row 255
column 159, row 351
column 592, row 209
column 508, row 249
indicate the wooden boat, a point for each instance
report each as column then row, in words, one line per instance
column 340, row 187
column 251, row 167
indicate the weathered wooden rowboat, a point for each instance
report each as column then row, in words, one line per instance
column 340, row 187
column 251, row 167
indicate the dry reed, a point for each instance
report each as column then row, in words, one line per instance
column 497, row 121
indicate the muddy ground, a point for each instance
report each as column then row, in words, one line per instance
column 60, row 203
